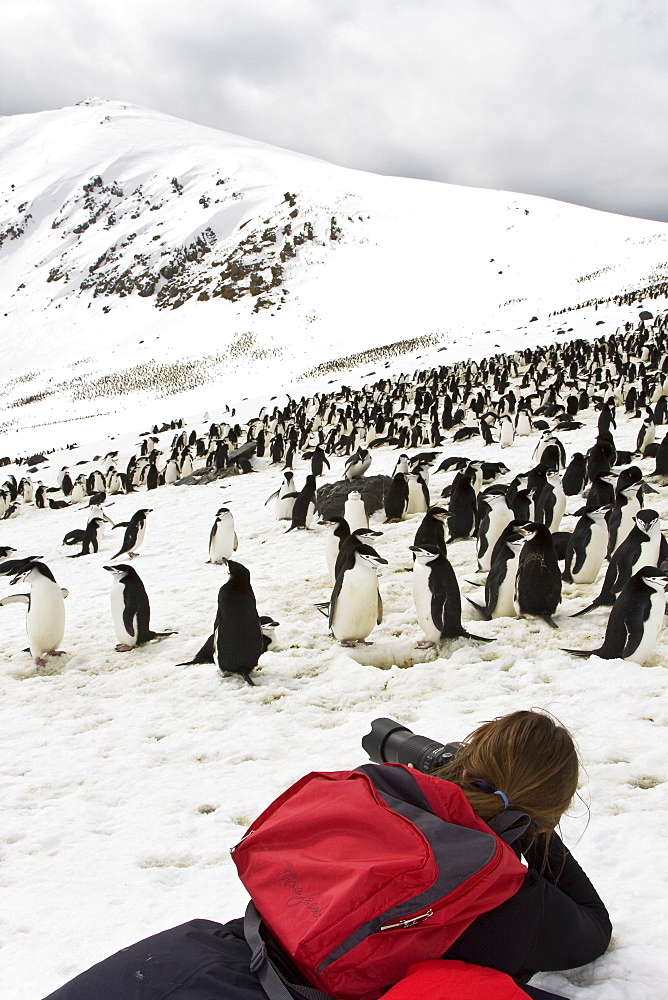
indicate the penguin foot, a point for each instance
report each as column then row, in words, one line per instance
column 122, row 647
column 40, row 661
column 424, row 644
column 346, row 643
column 56, row 652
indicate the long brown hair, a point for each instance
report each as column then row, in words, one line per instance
column 527, row 755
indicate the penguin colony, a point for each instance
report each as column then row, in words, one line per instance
column 523, row 555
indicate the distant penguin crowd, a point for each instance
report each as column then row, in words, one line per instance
column 515, row 517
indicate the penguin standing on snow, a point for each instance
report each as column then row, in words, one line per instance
column 642, row 547
column 646, row 434
column 357, row 464
column 523, row 425
column 396, row 498
column 45, row 620
column 304, row 507
column 551, row 502
column 237, row 642
column 575, row 475
column 130, row 609
column 284, row 497
column 355, row 605
column 507, row 431
column 223, row 540
column 495, row 517
column 500, row 582
column 628, row 502
column 635, row 620
column 90, row 540
column 318, row 461
column 418, row 494
column 586, row 548
column 462, row 506
column 538, row 583
column 354, row 511
column 135, row 530
column 438, row 602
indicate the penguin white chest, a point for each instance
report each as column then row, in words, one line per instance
column 355, row 513
column 45, row 621
column 505, row 600
column 222, row 541
column 284, row 508
column 651, row 629
column 422, row 600
column 308, row 517
column 416, row 499
column 117, row 611
column 356, row 608
column 594, row 555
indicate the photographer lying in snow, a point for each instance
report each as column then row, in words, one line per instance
column 364, row 878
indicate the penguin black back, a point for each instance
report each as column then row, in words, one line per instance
column 238, row 640
column 538, row 585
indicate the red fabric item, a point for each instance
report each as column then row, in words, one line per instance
column 339, row 860
column 442, row 979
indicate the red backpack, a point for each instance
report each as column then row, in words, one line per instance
column 359, row 874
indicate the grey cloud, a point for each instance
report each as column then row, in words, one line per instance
column 567, row 100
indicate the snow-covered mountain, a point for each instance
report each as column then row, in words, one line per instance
column 145, row 256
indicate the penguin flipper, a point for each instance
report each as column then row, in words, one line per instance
column 64, row 591
column 484, row 611
column 590, row 607
column 236, row 542
column 380, row 609
column 15, row 599
column 323, row 608
column 272, row 497
column 121, row 524
column 205, row 654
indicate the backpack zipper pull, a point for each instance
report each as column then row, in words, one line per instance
column 410, row 922
column 246, row 834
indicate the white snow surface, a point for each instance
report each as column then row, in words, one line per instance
column 126, row 778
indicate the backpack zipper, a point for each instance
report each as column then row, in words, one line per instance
column 410, row 922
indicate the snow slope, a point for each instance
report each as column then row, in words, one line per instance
column 145, row 256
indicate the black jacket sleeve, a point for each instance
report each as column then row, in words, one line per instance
column 555, row 921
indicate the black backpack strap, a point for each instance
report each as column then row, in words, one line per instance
column 509, row 825
column 272, row 982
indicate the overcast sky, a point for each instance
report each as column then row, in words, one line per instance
column 564, row 98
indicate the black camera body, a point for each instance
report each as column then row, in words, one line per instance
column 391, row 743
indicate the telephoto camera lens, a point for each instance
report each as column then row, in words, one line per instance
column 391, row 743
